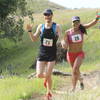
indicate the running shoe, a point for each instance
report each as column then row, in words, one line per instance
column 49, row 96
column 81, row 85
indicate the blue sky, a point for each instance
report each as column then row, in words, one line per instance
column 78, row 3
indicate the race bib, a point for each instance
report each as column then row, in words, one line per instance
column 77, row 38
column 47, row 42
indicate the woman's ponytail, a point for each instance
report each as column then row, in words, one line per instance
column 82, row 29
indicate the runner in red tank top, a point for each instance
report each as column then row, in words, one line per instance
column 73, row 41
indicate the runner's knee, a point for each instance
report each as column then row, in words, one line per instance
column 39, row 75
column 76, row 72
column 48, row 75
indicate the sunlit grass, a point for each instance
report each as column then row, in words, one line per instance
column 17, row 88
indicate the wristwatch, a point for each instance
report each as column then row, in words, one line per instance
column 29, row 30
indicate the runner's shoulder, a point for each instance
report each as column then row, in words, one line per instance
column 39, row 27
column 58, row 25
column 67, row 31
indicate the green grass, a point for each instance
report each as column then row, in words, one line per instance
column 85, row 67
column 19, row 88
column 20, row 56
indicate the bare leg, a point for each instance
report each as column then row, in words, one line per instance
column 81, row 83
column 50, row 67
column 40, row 66
column 76, row 71
column 46, row 76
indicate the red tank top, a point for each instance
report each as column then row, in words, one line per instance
column 74, row 38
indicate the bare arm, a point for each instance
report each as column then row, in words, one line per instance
column 92, row 23
column 34, row 36
column 59, row 31
column 64, row 42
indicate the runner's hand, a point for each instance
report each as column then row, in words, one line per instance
column 97, row 15
column 64, row 45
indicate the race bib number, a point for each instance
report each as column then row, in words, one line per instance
column 77, row 38
column 47, row 42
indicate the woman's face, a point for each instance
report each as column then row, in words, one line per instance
column 76, row 24
column 48, row 17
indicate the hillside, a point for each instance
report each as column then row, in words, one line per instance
column 39, row 5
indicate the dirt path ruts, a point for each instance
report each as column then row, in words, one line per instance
column 92, row 80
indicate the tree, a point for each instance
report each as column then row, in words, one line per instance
column 10, row 6
column 10, row 27
column 7, row 7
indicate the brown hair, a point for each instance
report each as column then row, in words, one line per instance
column 82, row 29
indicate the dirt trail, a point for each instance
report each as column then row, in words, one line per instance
column 91, row 81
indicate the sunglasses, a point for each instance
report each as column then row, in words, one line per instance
column 76, row 21
column 46, row 14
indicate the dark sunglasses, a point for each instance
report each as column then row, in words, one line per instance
column 76, row 21
column 46, row 14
